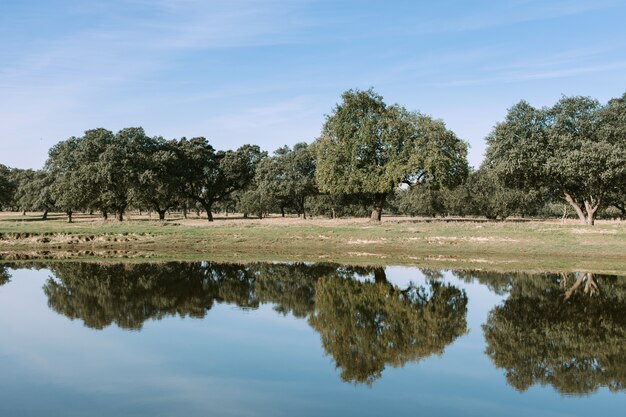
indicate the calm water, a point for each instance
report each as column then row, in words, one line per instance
column 206, row 339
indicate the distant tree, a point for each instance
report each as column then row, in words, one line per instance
column 157, row 187
column 287, row 178
column 421, row 201
column 118, row 168
column 577, row 148
column 459, row 200
column 490, row 197
column 7, row 187
column 367, row 147
column 254, row 201
column 68, row 189
column 33, row 191
column 207, row 176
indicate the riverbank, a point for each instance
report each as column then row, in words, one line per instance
column 507, row 246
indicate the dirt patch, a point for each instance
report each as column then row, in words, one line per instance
column 52, row 239
column 365, row 241
column 594, row 232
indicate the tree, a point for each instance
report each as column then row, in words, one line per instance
column 118, row 168
column 7, row 187
column 367, row 147
column 207, row 176
column 576, row 148
column 157, row 187
column 493, row 199
column 33, row 191
column 421, row 201
column 288, row 178
column 68, row 189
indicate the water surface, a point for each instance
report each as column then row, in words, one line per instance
column 199, row 339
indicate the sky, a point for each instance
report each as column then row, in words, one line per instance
column 267, row 72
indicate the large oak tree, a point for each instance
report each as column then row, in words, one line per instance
column 577, row 148
column 370, row 148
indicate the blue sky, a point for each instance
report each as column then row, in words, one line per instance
column 266, row 72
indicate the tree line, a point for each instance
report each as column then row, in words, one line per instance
column 568, row 159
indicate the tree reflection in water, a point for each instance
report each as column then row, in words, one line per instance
column 367, row 325
column 364, row 325
column 5, row 277
column 567, row 330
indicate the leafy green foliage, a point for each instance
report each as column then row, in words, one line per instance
column 7, row 187
column 33, row 191
column 576, row 148
column 207, row 176
column 286, row 179
column 367, row 147
column 157, row 186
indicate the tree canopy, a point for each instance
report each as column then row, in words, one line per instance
column 575, row 148
column 208, row 176
column 7, row 187
column 368, row 147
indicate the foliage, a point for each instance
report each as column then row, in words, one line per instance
column 576, row 148
column 369, row 148
column 7, row 187
column 157, row 186
column 207, row 176
column 286, row 179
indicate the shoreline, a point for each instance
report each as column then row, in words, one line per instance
column 537, row 246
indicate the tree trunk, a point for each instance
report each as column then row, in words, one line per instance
column 579, row 211
column 282, row 211
column 105, row 215
column 377, row 211
column 45, row 215
column 161, row 214
column 591, row 213
column 184, row 213
column 23, row 212
column 120, row 215
column 208, row 207
column 302, row 209
column 69, row 216
column 332, row 213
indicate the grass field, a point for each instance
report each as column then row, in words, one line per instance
column 527, row 245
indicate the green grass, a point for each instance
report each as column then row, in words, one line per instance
column 528, row 246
